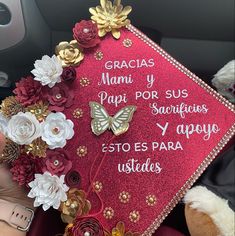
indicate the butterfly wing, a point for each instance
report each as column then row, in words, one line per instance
column 120, row 122
column 101, row 119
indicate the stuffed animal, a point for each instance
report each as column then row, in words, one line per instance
column 210, row 205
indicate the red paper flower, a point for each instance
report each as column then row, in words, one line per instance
column 69, row 73
column 28, row 91
column 57, row 162
column 90, row 225
column 59, row 97
column 86, row 34
column 24, row 168
column 72, row 179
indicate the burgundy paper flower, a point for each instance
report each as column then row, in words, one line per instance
column 86, row 34
column 24, row 168
column 59, row 97
column 28, row 91
column 72, row 179
column 90, row 225
column 57, row 162
column 69, row 73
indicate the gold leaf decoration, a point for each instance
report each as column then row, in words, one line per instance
column 110, row 17
column 10, row 107
column 77, row 113
column 134, row 216
column 76, row 205
column 98, row 55
column 37, row 148
column 108, row 213
column 151, row 200
column 82, row 151
column 40, row 110
column 120, row 230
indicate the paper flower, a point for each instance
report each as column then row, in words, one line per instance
column 10, row 107
column 48, row 190
column 86, row 34
column 110, row 17
column 40, row 110
column 37, row 148
column 23, row 128
column 24, row 168
column 28, row 91
column 59, row 97
column 48, row 70
column 3, row 124
column 69, row 74
column 120, row 231
column 57, row 162
column 56, row 130
column 86, row 226
column 224, row 81
column 76, row 205
column 11, row 152
column 72, row 178
column 69, row 53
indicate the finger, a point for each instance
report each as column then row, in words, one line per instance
column 2, row 142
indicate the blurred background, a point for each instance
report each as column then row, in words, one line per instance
column 199, row 34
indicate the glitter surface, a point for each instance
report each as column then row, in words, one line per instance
column 143, row 141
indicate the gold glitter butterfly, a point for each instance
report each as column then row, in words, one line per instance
column 102, row 121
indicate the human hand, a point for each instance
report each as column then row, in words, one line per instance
column 12, row 192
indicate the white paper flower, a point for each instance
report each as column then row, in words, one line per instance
column 56, row 130
column 3, row 124
column 48, row 70
column 48, row 190
column 23, row 128
column 224, row 81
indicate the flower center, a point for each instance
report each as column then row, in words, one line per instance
column 134, row 216
column 87, row 234
column 56, row 162
column 85, row 30
column 82, row 150
column 55, row 130
column 58, row 96
column 24, row 130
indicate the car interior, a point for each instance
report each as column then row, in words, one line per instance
column 199, row 34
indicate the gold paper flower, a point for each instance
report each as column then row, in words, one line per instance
column 10, row 107
column 110, row 17
column 120, row 230
column 69, row 53
column 10, row 152
column 37, row 148
column 40, row 110
column 76, row 205
column 67, row 230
